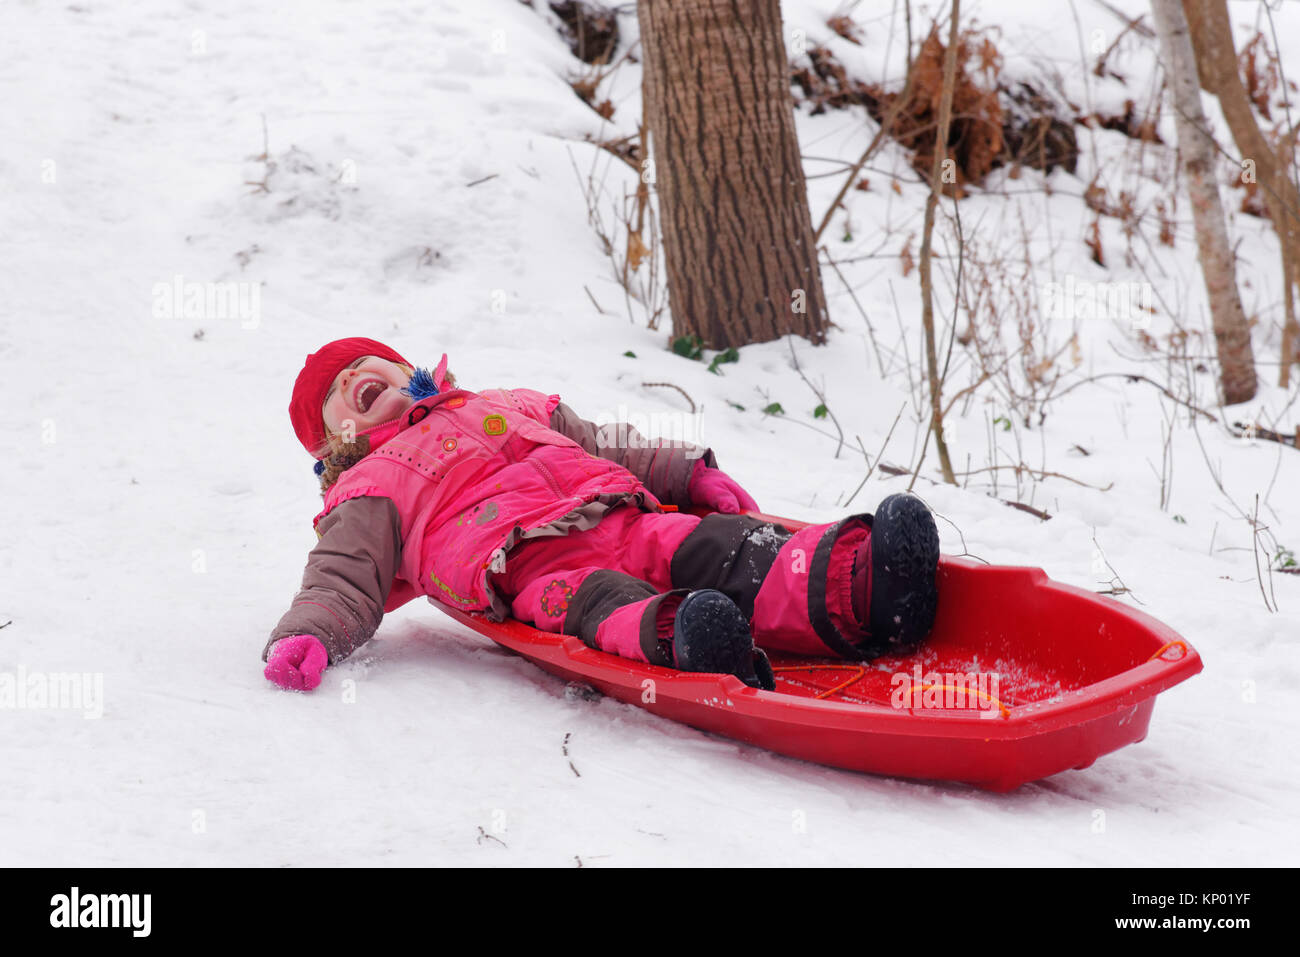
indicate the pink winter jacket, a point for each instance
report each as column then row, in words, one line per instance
column 449, row 488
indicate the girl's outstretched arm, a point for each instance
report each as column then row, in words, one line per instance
column 664, row 466
column 348, row 577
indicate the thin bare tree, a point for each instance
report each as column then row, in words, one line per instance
column 1216, row 64
column 1197, row 156
column 942, row 163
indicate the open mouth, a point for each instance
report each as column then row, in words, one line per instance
column 367, row 392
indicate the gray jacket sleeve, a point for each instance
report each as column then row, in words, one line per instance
column 664, row 466
column 348, row 576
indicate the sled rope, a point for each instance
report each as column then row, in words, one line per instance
column 1166, row 646
column 1006, row 712
column 839, row 687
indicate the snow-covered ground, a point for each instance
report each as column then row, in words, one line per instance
column 157, row 509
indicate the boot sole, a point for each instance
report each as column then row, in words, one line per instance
column 904, row 567
column 711, row 634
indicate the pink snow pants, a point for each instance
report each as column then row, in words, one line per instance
column 617, row 585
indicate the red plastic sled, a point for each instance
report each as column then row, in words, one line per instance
column 1077, row 675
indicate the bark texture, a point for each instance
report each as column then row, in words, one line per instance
column 1197, row 153
column 738, row 242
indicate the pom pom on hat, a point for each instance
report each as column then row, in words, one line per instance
column 421, row 385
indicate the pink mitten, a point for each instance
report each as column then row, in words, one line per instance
column 296, row 662
column 719, row 491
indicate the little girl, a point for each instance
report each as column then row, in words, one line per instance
column 507, row 502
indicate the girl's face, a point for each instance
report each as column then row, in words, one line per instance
column 366, row 394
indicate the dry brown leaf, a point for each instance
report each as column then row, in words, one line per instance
column 905, row 257
column 1093, row 242
column 846, row 28
column 636, row 250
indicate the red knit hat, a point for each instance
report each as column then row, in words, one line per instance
column 317, row 376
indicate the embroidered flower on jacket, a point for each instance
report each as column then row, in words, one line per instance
column 555, row 597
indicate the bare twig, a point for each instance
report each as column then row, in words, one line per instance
column 871, row 466
column 925, row 444
column 564, row 747
column 1038, row 475
column 862, row 312
column 1257, row 530
column 794, row 359
column 1100, row 68
column 627, row 254
column 1117, row 586
column 1134, row 377
column 1254, row 553
column 669, row 385
column 593, row 301
column 886, row 124
column 1037, row 512
column 1256, row 431
column 965, row 549
column 263, row 185
column 1141, row 29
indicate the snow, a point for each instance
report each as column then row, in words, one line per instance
column 157, row 508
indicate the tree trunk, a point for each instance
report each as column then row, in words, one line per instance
column 1231, row 333
column 738, row 242
column 1216, row 63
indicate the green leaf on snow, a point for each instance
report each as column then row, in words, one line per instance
column 689, row 347
column 730, row 355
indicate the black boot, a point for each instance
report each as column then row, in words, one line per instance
column 711, row 634
column 904, row 561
